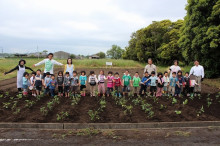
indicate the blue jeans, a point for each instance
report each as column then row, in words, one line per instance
column 177, row 90
column 52, row 92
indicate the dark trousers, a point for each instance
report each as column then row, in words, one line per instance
column 143, row 88
column 52, row 92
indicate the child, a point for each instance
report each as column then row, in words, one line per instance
column 173, row 83
column 83, row 82
column 101, row 83
column 25, row 83
column 166, row 83
column 144, row 83
column 109, row 79
column 38, row 82
column 186, row 90
column 74, row 83
column 160, row 83
column 52, row 85
column 126, row 79
column 192, row 84
column 92, row 81
column 32, row 87
column 136, row 82
column 66, row 84
column 153, row 85
column 117, row 84
column 46, row 81
column 69, row 67
column 179, row 89
column 60, row 83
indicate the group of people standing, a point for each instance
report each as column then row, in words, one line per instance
column 67, row 81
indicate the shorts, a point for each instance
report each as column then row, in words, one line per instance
column 165, row 88
column 66, row 88
column 38, row 88
column 74, row 88
column 82, row 87
column 153, row 88
column 25, row 87
column 60, row 89
column 126, row 89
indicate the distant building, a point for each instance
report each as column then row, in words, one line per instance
column 61, row 55
column 20, row 55
column 38, row 54
column 94, row 56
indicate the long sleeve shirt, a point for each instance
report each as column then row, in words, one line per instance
column 197, row 71
column 17, row 68
column 49, row 64
column 149, row 68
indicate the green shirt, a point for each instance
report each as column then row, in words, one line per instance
column 126, row 79
column 136, row 81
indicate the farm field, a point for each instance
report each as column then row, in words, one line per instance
column 15, row 108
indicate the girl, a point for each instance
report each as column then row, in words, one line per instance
column 69, row 67
column 66, row 84
column 101, row 83
column 25, row 83
column 32, row 87
column 20, row 71
column 92, row 81
column 178, row 89
column 160, row 83
column 174, row 68
column 110, row 80
column 60, row 83
column 74, row 83
column 38, row 82
column 83, row 82
column 46, row 81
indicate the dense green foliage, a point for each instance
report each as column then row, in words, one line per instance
column 195, row 37
column 115, row 52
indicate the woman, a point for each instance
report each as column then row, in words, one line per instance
column 69, row 67
column 20, row 71
column 174, row 68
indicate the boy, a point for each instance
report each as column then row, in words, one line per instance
column 117, row 84
column 66, row 84
column 173, row 82
column 136, row 82
column 181, row 81
column 166, row 83
column 92, row 81
column 144, row 83
column 46, row 81
column 60, row 83
column 186, row 90
column 74, row 83
column 38, row 81
column 126, row 79
column 25, row 83
column 153, row 83
column 52, row 85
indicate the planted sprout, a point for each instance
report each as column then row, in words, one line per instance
column 94, row 115
column 185, row 102
column 178, row 112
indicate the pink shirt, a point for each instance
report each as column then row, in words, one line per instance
column 110, row 81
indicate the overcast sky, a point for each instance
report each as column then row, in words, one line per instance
column 78, row 26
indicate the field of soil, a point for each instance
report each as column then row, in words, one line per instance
column 16, row 108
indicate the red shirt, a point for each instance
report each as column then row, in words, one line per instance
column 117, row 82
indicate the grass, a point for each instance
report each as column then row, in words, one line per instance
column 9, row 63
column 212, row 82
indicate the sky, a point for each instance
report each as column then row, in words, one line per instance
column 78, row 26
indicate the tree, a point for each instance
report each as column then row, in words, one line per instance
column 73, row 56
column 199, row 38
column 101, row 55
column 115, row 52
column 45, row 51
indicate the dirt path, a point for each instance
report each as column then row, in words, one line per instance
column 175, row 136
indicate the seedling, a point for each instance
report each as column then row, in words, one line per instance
column 50, row 105
column 174, row 101
column 6, row 93
column 102, row 104
column 14, row 105
column 200, row 111
column 62, row 116
column 19, row 96
column 162, row 106
column 185, row 102
column 17, row 111
column 29, row 103
column 6, row 104
column 44, row 111
column 1, row 95
column 128, row 110
column 150, row 114
column 178, row 112
column 94, row 115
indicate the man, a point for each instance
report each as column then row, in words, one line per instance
column 49, row 64
column 150, row 67
column 198, row 72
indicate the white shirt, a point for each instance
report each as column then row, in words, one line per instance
column 174, row 68
column 197, row 71
column 49, row 64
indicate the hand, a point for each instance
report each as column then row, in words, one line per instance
column 33, row 65
column 202, row 79
column 4, row 74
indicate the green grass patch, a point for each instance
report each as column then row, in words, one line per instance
column 212, row 82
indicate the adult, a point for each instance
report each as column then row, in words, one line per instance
column 49, row 64
column 150, row 67
column 174, row 68
column 198, row 72
column 20, row 71
column 69, row 67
